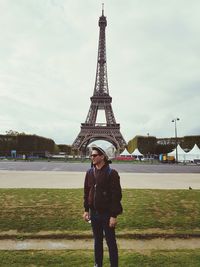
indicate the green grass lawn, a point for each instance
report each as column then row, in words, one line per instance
column 33, row 210
column 177, row 258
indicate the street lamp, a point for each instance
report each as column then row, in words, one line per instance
column 148, row 153
column 175, row 120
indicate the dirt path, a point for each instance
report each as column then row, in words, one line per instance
column 133, row 244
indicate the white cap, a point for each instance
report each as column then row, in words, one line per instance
column 100, row 150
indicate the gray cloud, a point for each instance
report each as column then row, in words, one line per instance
column 48, row 53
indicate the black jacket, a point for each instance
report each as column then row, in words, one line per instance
column 106, row 181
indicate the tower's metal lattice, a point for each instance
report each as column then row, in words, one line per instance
column 101, row 100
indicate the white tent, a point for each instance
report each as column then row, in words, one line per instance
column 181, row 154
column 194, row 153
column 125, row 153
column 136, row 152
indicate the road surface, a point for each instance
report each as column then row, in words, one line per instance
column 82, row 167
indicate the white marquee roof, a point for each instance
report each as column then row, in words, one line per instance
column 194, row 153
column 181, row 153
column 125, row 153
column 136, row 152
column 194, row 150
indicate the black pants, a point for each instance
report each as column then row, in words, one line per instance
column 100, row 227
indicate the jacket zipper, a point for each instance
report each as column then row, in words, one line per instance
column 95, row 189
column 95, row 195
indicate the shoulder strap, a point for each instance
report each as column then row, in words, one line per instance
column 109, row 170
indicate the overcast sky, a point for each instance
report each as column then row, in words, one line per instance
column 48, row 53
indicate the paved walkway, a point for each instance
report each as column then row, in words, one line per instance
column 134, row 244
column 55, row 179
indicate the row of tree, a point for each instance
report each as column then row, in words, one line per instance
column 26, row 144
column 153, row 145
column 37, row 145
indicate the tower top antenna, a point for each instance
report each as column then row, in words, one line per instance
column 102, row 9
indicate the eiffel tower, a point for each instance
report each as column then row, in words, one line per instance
column 101, row 100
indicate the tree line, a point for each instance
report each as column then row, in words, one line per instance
column 152, row 145
column 37, row 145
column 26, row 144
